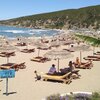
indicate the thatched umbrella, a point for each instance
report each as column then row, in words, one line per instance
column 7, row 49
column 81, row 47
column 41, row 46
column 58, row 54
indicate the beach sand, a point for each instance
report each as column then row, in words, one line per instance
column 24, row 86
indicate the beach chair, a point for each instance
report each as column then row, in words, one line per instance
column 22, row 65
column 21, row 44
column 36, row 59
column 2, row 52
column 5, row 54
column 74, row 73
column 97, row 53
column 31, row 50
column 11, row 53
column 28, row 50
column 85, row 65
column 39, row 59
column 93, row 58
column 15, row 66
column 2, row 55
column 69, row 50
column 4, row 67
column 64, row 78
column 7, row 66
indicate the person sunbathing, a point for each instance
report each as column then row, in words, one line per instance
column 71, row 69
column 88, row 64
column 77, row 63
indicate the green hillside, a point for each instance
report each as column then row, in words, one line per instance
column 87, row 17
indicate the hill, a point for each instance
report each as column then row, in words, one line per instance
column 87, row 17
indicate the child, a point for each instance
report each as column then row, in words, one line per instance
column 38, row 77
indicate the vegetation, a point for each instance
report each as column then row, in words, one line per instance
column 92, row 40
column 79, row 96
column 88, row 17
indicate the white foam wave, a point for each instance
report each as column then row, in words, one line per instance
column 25, row 31
column 31, row 31
column 15, row 31
column 36, row 30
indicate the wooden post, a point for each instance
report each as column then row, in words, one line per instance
column 93, row 50
column 80, row 56
column 38, row 52
column 58, row 64
column 7, row 59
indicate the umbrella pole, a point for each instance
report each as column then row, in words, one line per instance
column 38, row 52
column 93, row 50
column 58, row 64
column 7, row 59
column 80, row 56
column 26, row 46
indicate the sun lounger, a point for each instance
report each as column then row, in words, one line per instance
column 84, row 65
column 97, row 53
column 28, row 50
column 64, row 78
column 92, row 58
column 44, row 48
column 69, row 50
column 40, row 59
column 22, row 65
column 15, row 66
column 20, row 44
column 5, row 54
column 74, row 73
column 7, row 66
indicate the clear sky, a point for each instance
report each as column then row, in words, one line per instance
column 16, row 8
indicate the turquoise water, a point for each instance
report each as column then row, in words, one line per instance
column 13, row 32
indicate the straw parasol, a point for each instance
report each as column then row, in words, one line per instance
column 81, row 47
column 41, row 46
column 8, row 49
column 58, row 54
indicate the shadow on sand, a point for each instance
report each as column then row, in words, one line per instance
column 9, row 93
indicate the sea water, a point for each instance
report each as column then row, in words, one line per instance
column 13, row 32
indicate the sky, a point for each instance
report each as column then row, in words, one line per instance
column 17, row 8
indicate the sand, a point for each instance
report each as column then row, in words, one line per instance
column 24, row 86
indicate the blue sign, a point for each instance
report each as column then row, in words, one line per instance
column 7, row 73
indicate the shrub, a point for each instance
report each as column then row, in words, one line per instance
column 78, row 96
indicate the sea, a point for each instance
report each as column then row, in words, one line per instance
column 14, row 32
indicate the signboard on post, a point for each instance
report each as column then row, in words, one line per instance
column 7, row 73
